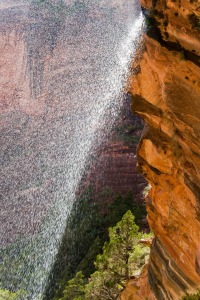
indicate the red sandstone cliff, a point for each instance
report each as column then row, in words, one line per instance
column 166, row 94
column 114, row 166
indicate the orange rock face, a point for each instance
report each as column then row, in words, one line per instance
column 179, row 22
column 166, row 94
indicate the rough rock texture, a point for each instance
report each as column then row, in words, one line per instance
column 166, row 94
column 138, row 289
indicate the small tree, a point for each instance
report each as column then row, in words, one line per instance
column 75, row 288
column 195, row 296
column 121, row 257
column 7, row 295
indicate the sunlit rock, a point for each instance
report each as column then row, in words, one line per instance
column 166, row 94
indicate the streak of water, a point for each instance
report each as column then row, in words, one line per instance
column 66, row 64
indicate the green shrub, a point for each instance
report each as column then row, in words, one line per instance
column 126, row 133
column 195, row 296
column 7, row 295
column 122, row 257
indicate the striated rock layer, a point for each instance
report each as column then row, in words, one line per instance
column 114, row 166
column 166, row 94
column 116, row 170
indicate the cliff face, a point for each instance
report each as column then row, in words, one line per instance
column 166, row 94
column 114, row 167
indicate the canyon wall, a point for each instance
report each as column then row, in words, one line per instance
column 114, row 166
column 166, row 94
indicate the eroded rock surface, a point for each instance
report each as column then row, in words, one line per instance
column 166, row 94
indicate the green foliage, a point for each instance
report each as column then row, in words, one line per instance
column 146, row 189
column 127, row 133
column 87, row 263
column 103, row 286
column 117, row 252
column 7, row 295
column 75, row 288
column 119, row 207
column 195, row 296
column 121, row 259
column 83, row 228
column 86, row 232
column 16, row 258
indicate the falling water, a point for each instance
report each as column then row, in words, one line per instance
column 67, row 64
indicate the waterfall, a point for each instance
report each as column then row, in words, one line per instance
column 74, row 63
